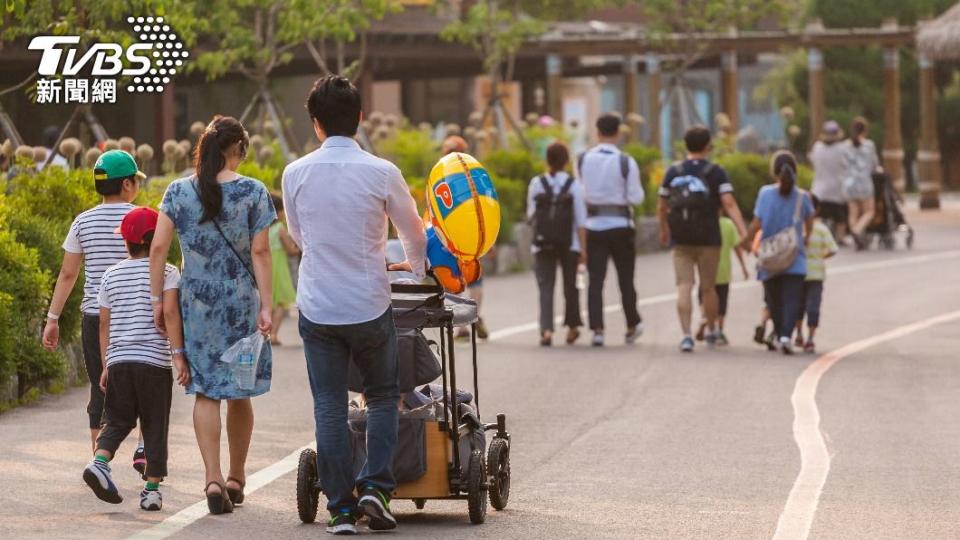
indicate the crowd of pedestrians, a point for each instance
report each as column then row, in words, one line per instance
column 147, row 324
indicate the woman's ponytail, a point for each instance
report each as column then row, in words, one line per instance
column 858, row 129
column 209, row 159
column 783, row 167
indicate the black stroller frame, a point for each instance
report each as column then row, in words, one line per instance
column 419, row 306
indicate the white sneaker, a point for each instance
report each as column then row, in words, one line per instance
column 597, row 340
column 785, row 346
column 151, row 500
column 97, row 476
column 633, row 335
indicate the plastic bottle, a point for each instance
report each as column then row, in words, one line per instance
column 581, row 277
column 245, row 369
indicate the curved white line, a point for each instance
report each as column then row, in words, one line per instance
column 797, row 516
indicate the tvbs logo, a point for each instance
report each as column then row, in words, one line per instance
column 150, row 62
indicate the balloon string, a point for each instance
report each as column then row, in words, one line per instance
column 481, row 240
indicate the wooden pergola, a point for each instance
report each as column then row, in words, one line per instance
column 637, row 47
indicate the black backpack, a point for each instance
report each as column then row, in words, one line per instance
column 553, row 217
column 692, row 213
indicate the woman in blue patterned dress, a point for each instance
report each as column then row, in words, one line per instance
column 222, row 220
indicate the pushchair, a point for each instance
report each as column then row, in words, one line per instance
column 889, row 219
column 441, row 448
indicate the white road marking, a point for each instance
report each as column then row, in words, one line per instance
column 504, row 333
column 797, row 516
column 194, row 512
column 190, row 514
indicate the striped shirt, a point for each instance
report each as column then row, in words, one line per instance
column 820, row 246
column 125, row 291
column 92, row 235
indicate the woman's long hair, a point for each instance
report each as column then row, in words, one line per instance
column 858, row 131
column 209, row 159
column 783, row 167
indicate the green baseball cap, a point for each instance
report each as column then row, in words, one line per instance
column 115, row 164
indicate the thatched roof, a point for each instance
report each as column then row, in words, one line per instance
column 939, row 39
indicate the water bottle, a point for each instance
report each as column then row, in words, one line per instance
column 581, row 277
column 245, row 369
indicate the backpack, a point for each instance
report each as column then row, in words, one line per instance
column 553, row 217
column 692, row 214
column 618, row 210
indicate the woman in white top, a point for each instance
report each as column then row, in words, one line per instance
column 829, row 159
column 862, row 162
column 555, row 202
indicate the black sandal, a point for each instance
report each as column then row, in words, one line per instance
column 236, row 495
column 217, row 503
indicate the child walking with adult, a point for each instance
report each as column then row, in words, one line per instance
column 729, row 244
column 782, row 210
column 820, row 247
column 91, row 245
column 137, row 376
column 558, row 211
column 282, row 247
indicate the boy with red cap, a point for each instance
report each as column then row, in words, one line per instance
column 137, row 377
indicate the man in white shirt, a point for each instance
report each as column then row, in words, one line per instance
column 611, row 180
column 338, row 199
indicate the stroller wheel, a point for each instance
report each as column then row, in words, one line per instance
column 888, row 242
column 476, row 488
column 308, row 494
column 419, row 503
column 498, row 466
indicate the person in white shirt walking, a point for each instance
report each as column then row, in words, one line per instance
column 611, row 180
column 338, row 199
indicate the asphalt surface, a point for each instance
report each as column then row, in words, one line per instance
column 621, row 442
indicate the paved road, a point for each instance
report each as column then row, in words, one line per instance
column 623, row 442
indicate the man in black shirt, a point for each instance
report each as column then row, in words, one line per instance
column 692, row 194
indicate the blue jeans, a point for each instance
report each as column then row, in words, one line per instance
column 329, row 349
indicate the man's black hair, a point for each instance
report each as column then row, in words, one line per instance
column 697, row 139
column 112, row 186
column 608, row 124
column 334, row 102
column 137, row 250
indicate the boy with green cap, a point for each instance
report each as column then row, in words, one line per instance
column 92, row 244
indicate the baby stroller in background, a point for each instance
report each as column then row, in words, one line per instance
column 442, row 450
column 889, row 219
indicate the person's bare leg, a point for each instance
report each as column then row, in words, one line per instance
column 685, row 306
column 278, row 314
column 239, row 432
column 868, row 210
column 853, row 209
column 710, row 306
column 206, row 425
column 94, row 433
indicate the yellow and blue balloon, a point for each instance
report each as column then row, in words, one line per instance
column 465, row 218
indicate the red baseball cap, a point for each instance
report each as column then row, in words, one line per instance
column 137, row 223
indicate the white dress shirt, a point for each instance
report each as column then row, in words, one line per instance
column 604, row 184
column 557, row 181
column 337, row 200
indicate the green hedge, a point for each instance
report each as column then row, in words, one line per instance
column 25, row 290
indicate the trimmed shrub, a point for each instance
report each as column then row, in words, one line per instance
column 515, row 164
column 651, row 174
column 411, row 150
column 26, row 289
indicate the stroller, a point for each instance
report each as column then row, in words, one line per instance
column 441, row 448
column 889, row 219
